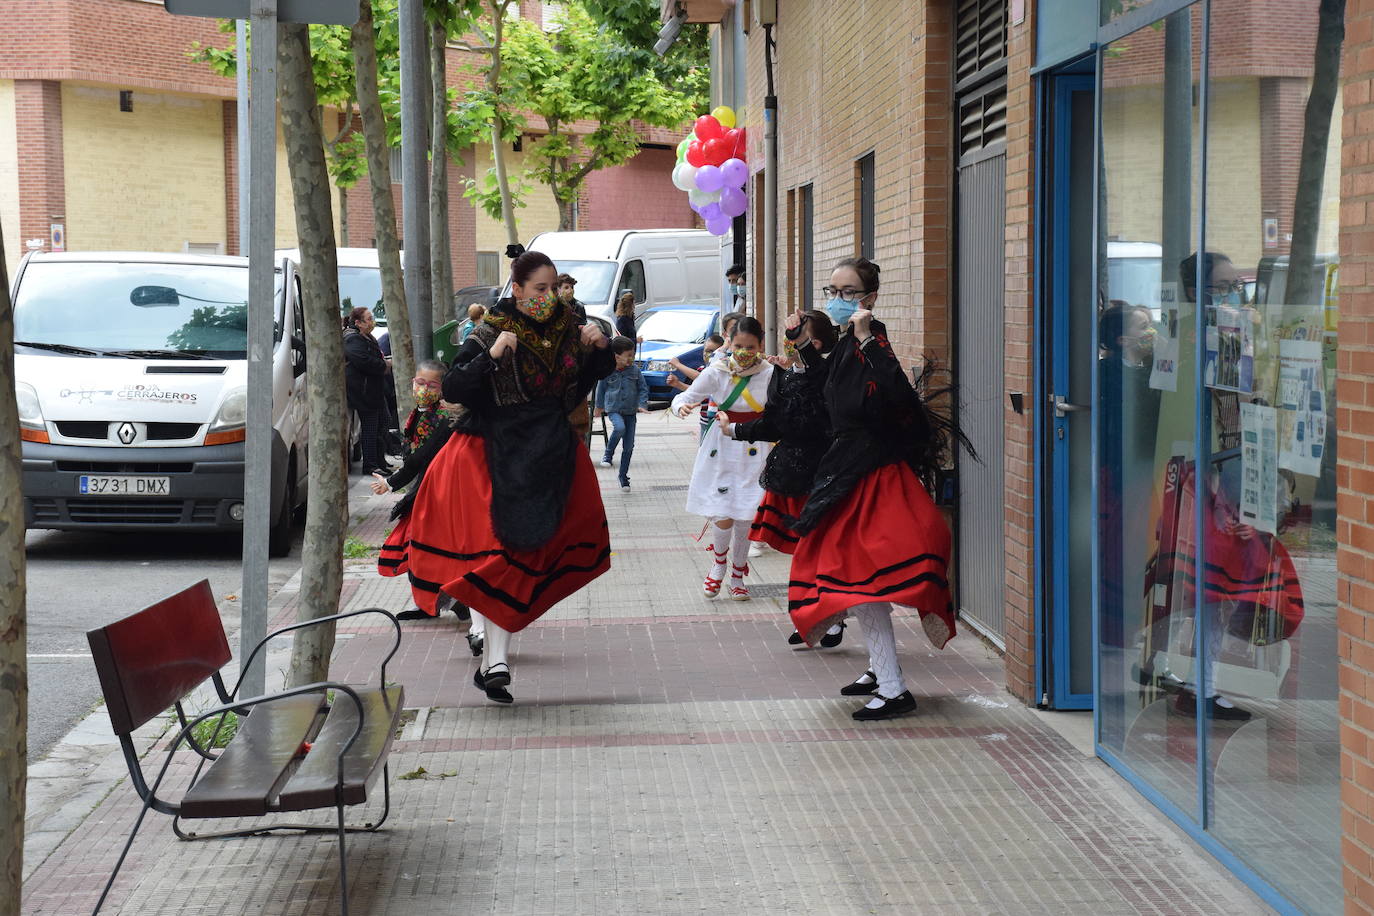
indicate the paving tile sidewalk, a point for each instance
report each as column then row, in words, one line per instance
column 668, row 754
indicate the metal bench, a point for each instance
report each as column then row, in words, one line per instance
column 296, row 750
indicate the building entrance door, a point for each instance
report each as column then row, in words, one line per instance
column 1067, row 358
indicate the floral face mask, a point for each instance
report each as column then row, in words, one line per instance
column 540, row 308
column 746, row 359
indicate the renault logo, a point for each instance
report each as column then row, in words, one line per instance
column 126, row 433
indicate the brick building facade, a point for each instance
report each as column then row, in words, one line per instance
column 888, row 114
column 70, row 156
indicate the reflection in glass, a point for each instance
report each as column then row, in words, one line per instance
column 1268, row 601
column 1146, row 401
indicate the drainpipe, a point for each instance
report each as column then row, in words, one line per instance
column 770, row 202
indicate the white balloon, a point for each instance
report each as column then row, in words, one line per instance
column 684, row 176
column 702, row 198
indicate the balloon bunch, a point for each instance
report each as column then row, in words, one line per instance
column 711, row 169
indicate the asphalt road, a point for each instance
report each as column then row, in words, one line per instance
column 81, row 580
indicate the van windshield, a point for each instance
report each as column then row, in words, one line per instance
column 594, row 279
column 115, row 307
column 1135, row 280
column 362, row 286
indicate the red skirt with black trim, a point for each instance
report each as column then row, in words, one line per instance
column 392, row 561
column 887, row 542
column 771, row 521
column 452, row 547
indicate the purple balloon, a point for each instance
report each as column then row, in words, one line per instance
column 718, row 226
column 733, row 202
column 711, row 212
column 735, row 173
column 709, row 178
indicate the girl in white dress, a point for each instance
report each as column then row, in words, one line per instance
column 725, row 479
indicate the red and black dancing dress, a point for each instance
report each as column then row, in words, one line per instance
column 795, row 418
column 508, row 519
column 393, row 560
column 870, row 533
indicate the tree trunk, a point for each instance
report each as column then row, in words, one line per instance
column 498, row 123
column 14, row 679
column 343, row 215
column 567, row 215
column 383, row 208
column 327, row 506
column 441, row 259
column 1316, row 134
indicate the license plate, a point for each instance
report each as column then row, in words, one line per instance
column 123, row 485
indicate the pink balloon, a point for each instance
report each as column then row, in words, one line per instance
column 735, row 172
column 708, row 178
column 733, row 202
column 718, row 226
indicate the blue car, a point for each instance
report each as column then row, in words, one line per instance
column 672, row 331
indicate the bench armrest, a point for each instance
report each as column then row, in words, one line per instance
column 395, row 645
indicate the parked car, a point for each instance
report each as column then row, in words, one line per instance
column 132, row 379
column 360, row 282
column 672, row 331
column 484, row 296
column 660, row 266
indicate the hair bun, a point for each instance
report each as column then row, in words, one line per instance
column 515, row 251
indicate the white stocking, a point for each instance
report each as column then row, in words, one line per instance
column 739, row 549
column 720, row 550
column 478, row 627
column 497, row 646
column 875, row 618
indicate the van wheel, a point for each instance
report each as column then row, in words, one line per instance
column 279, row 540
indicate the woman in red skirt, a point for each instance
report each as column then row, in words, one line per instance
column 794, row 418
column 871, row 536
column 508, row 519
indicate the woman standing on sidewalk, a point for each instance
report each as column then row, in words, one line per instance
column 508, row 519
column 871, row 535
column 725, row 479
column 795, row 418
column 365, row 378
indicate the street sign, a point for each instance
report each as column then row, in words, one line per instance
column 314, row 12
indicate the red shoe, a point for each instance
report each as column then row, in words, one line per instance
column 737, row 590
column 711, row 587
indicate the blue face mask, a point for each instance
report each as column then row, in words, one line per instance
column 736, row 289
column 840, row 310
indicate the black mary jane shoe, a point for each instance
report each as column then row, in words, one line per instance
column 859, row 688
column 494, row 684
column 475, row 642
column 795, row 639
column 461, row 611
column 414, row 613
column 899, row 705
column 831, row 640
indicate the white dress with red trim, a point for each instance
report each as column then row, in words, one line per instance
column 725, row 477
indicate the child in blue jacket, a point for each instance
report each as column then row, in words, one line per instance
column 621, row 396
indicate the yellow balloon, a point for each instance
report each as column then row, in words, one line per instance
column 725, row 115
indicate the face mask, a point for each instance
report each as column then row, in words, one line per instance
column 737, row 289
column 840, row 311
column 426, row 397
column 541, row 308
column 746, row 359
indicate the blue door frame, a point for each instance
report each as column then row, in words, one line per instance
column 1052, row 375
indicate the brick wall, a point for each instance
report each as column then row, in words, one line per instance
column 231, row 177
column 1018, row 454
column 38, row 132
column 1355, row 470
column 9, row 177
column 637, row 195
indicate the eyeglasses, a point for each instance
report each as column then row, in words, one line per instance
column 427, row 383
column 848, row 295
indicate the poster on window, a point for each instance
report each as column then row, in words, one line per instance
column 1230, row 362
column 1164, row 364
column 1259, row 453
column 1302, row 406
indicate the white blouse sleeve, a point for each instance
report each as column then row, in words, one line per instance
column 705, row 385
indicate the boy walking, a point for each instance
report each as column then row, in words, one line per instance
column 621, row 396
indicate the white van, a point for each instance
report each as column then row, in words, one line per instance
column 131, row 383
column 660, row 266
column 360, row 281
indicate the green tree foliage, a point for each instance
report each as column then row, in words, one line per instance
column 580, row 70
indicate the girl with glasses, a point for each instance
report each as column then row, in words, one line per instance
column 725, row 478
column 871, row 536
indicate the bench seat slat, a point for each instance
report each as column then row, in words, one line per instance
column 248, row 773
column 312, row 785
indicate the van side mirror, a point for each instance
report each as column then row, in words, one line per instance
column 297, row 356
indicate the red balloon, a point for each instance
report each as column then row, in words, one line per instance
column 717, row 151
column 696, row 156
column 708, row 128
column 735, row 137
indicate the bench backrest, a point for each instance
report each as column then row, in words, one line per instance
column 149, row 660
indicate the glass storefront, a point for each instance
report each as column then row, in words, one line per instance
column 1218, row 186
